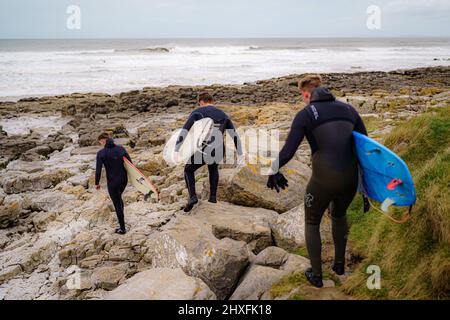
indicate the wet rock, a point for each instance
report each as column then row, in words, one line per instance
column 13, row 147
column 171, row 103
column 162, row 284
column 190, row 245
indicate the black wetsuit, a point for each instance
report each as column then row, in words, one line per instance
column 111, row 156
column 221, row 123
column 327, row 125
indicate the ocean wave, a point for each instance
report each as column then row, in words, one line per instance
column 258, row 48
column 148, row 50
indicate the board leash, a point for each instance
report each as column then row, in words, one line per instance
column 402, row 220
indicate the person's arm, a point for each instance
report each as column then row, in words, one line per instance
column 126, row 155
column 293, row 141
column 98, row 169
column 359, row 124
column 187, row 126
column 233, row 133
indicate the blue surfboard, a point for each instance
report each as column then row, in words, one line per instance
column 384, row 175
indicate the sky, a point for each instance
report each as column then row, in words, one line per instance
column 42, row 19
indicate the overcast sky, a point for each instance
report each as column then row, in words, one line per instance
column 222, row 18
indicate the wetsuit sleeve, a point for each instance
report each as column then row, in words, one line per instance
column 187, row 126
column 98, row 168
column 293, row 141
column 233, row 133
column 359, row 124
column 126, row 155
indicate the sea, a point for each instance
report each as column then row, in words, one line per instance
column 35, row 68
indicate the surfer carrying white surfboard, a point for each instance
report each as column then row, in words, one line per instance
column 111, row 156
column 212, row 153
column 328, row 125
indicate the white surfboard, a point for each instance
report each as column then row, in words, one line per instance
column 138, row 180
column 193, row 142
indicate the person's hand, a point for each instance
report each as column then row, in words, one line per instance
column 277, row 181
column 97, row 187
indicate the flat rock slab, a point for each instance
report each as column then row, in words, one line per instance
column 162, row 284
column 251, row 225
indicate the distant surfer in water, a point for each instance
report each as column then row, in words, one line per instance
column 213, row 152
column 111, row 156
column 327, row 125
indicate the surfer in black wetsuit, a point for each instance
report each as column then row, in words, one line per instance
column 327, row 125
column 214, row 150
column 111, row 156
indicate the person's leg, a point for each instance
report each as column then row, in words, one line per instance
column 122, row 189
column 115, row 194
column 189, row 177
column 213, row 181
column 340, row 227
column 316, row 202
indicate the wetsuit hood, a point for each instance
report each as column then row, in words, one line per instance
column 110, row 143
column 322, row 94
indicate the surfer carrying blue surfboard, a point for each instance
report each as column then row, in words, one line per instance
column 111, row 156
column 328, row 125
column 213, row 150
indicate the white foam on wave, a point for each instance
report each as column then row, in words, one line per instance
column 45, row 126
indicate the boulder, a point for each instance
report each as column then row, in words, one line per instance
column 109, row 277
column 251, row 225
column 247, row 186
column 150, row 164
column 55, row 201
column 37, row 153
column 288, row 229
column 17, row 183
column 189, row 244
column 162, row 284
column 268, row 268
column 13, row 147
column 40, row 220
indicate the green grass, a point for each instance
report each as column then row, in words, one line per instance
column 301, row 252
column 414, row 257
column 287, row 284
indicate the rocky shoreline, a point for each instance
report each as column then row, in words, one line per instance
column 51, row 219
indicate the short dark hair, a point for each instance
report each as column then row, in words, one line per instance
column 205, row 97
column 103, row 135
column 310, row 82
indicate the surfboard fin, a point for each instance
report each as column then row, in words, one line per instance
column 386, row 204
column 385, row 210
